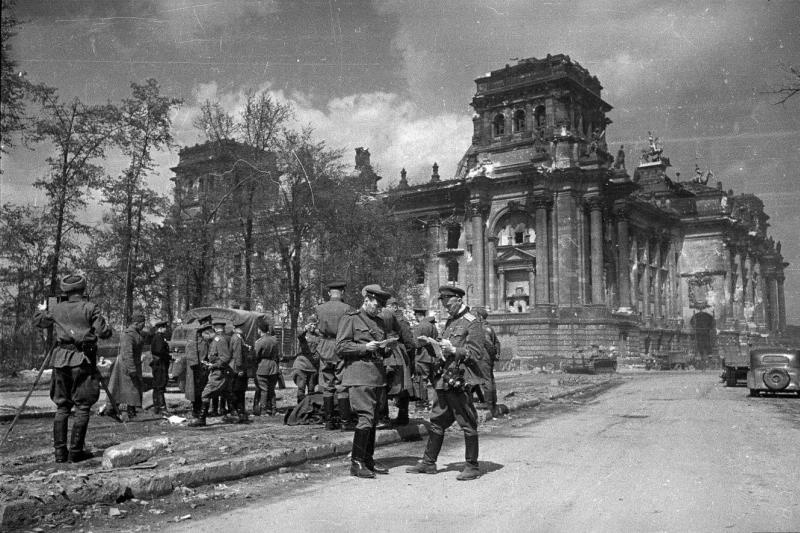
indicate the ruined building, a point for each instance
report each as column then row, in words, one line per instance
column 568, row 244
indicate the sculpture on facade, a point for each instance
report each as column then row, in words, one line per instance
column 654, row 151
column 619, row 162
column 699, row 177
column 484, row 168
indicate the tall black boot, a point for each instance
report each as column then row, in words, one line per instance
column 369, row 456
column 471, row 469
column 60, row 427
column 345, row 414
column 428, row 463
column 327, row 409
column 200, row 420
column 360, row 445
column 78, row 438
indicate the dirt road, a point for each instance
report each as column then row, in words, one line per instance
column 666, row 452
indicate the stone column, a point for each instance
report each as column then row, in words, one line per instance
column 623, row 262
column 645, row 286
column 657, row 296
column 568, row 293
column 501, row 291
column 738, row 288
column 491, row 254
column 432, row 270
column 781, row 302
column 542, row 252
column 596, row 222
column 774, row 301
column 531, row 285
column 633, row 255
column 748, row 299
column 478, row 236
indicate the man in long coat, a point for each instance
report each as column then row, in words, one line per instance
column 125, row 384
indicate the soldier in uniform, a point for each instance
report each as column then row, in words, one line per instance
column 218, row 402
column 159, row 349
column 196, row 356
column 425, row 357
column 399, row 365
column 125, row 383
column 328, row 316
column 465, row 365
column 268, row 357
column 76, row 381
column 362, row 343
column 239, row 353
column 304, row 368
column 218, row 364
column 492, row 345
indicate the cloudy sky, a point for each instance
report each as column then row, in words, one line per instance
column 397, row 76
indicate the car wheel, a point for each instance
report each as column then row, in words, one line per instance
column 776, row 379
column 754, row 393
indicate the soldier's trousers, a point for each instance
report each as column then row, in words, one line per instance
column 73, row 386
column 330, row 376
column 454, row 406
column 200, row 377
column 306, row 382
column 364, row 403
column 266, row 384
column 422, row 372
column 218, row 385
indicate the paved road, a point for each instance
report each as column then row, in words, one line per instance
column 667, row 452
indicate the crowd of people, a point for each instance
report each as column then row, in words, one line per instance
column 358, row 357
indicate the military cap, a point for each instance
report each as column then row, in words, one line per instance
column 205, row 327
column 161, row 324
column 420, row 311
column 204, row 319
column 336, row 284
column 239, row 321
column 480, row 311
column 377, row 292
column 219, row 322
column 448, row 291
column 391, row 300
column 262, row 323
column 73, row 283
column 137, row 317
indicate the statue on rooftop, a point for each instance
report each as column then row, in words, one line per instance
column 619, row 163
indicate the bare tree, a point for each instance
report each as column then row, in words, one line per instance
column 789, row 87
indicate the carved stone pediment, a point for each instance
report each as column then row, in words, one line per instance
column 516, row 255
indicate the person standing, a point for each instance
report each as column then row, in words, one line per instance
column 125, row 383
column 268, row 357
column 239, row 354
column 75, row 383
column 195, row 357
column 218, row 403
column 399, row 365
column 304, row 367
column 362, row 343
column 159, row 349
column 329, row 314
column 465, row 365
column 202, row 372
column 492, row 346
column 425, row 357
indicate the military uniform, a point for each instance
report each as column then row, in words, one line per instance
column 492, row 346
column 399, row 367
column 305, row 365
column 424, row 359
column 196, row 357
column 364, row 373
column 159, row 349
column 239, row 373
column 466, row 368
column 75, row 382
column 329, row 314
column 268, row 357
column 125, row 383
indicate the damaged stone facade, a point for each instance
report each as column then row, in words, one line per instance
column 567, row 247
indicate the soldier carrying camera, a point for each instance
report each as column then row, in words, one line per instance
column 75, row 382
column 465, row 366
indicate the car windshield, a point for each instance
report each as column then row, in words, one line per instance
column 775, row 359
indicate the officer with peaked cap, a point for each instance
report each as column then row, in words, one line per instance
column 399, row 365
column 267, row 356
column 465, row 365
column 75, row 383
column 329, row 314
column 159, row 349
column 362, row 343
column 218, row 403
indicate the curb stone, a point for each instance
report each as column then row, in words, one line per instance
column 144, row 486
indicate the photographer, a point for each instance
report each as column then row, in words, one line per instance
column 465, row 365
column 362, row 343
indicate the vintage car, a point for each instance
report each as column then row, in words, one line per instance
column 774, row 370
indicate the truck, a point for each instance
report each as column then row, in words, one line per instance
column 735, row 360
